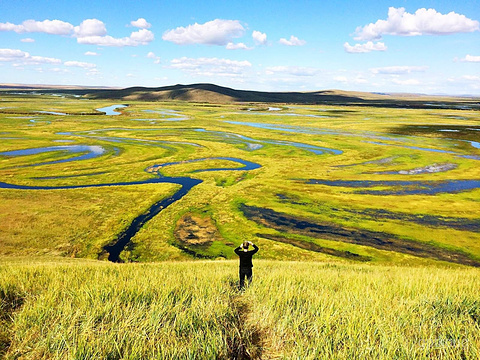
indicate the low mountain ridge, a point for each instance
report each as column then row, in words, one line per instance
column 211, row 93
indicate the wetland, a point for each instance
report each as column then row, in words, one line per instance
column 380, row 185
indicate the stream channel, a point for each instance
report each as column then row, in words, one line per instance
column 128, row 233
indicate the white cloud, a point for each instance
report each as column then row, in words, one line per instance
column 90, row 27
column 292, row 70
column 141, row 23
column 83, row 65
column 56, row 27
column 364, row 48
column 343, row 79
column 259, row 38
column 27, row 40
column 471, row 58
column 24, row 58
column 210, row 66
column 471, row 78
column 406, row 82
column 232, row 46
column 294, row 41
column 141, row 37
column 151, row 55
column 398, row 70
column 215, row 32
column 90, row 53
column 359, row 79
column 90, row 31
column 422, row 22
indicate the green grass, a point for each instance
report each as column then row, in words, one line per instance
column 89, row 219
column 58, row 301
column 191, row 310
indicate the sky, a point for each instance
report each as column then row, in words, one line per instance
column 428, row 47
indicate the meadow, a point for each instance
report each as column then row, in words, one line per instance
column 79, row 309
column 367, row 219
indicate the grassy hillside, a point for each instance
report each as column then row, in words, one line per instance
column 192, row 310
column 211, row 93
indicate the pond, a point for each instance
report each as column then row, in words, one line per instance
column 110, row 110
column 89, row 152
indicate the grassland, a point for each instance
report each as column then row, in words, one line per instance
column 344, row 272
column 81, row 309
column 293, row 145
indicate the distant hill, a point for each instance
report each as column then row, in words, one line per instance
column 211, row 93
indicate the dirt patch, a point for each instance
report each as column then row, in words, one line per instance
column 330, row 231
column 193, row 229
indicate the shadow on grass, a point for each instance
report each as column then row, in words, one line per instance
column 330, row 231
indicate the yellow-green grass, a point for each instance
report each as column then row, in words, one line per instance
column 72, row 309
column 89, row 219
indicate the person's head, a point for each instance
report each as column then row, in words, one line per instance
column 245, row 244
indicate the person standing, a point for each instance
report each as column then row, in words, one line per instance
column 246, row 265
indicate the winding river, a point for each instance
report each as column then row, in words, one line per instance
column 186, row 183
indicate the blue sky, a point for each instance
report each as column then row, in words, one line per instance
column 428, row 47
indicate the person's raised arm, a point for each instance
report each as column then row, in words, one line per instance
column 255, row 247
column 238, row 250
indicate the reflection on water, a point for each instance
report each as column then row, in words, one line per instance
column 318, row 150
column 167, row 115
column 110, row 110
column 126, row 235
column 91, row 151
column 51, row 112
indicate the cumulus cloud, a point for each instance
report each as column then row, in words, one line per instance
column 90, row 31
column 90, row 27
column 232, row 46
column 398, row 70
column 422, row 22
column 151, row 55
column 24, row 58
column 141, row 37
column 56, row 27
column 259, row 38
column 294, row 41
column 364, row 48
column 83, row 65
column 292, row 70
column 90, row 53
column 210, row 66
column 27, row 40
column 471, row 58
column 141, row 23
column 215, row 32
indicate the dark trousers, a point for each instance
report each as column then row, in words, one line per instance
column 245, row 272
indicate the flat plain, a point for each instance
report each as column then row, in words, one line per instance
column 367, row 218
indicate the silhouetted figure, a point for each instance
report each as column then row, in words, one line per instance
column 246, row 265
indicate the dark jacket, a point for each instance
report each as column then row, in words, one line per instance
column 246, row 256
